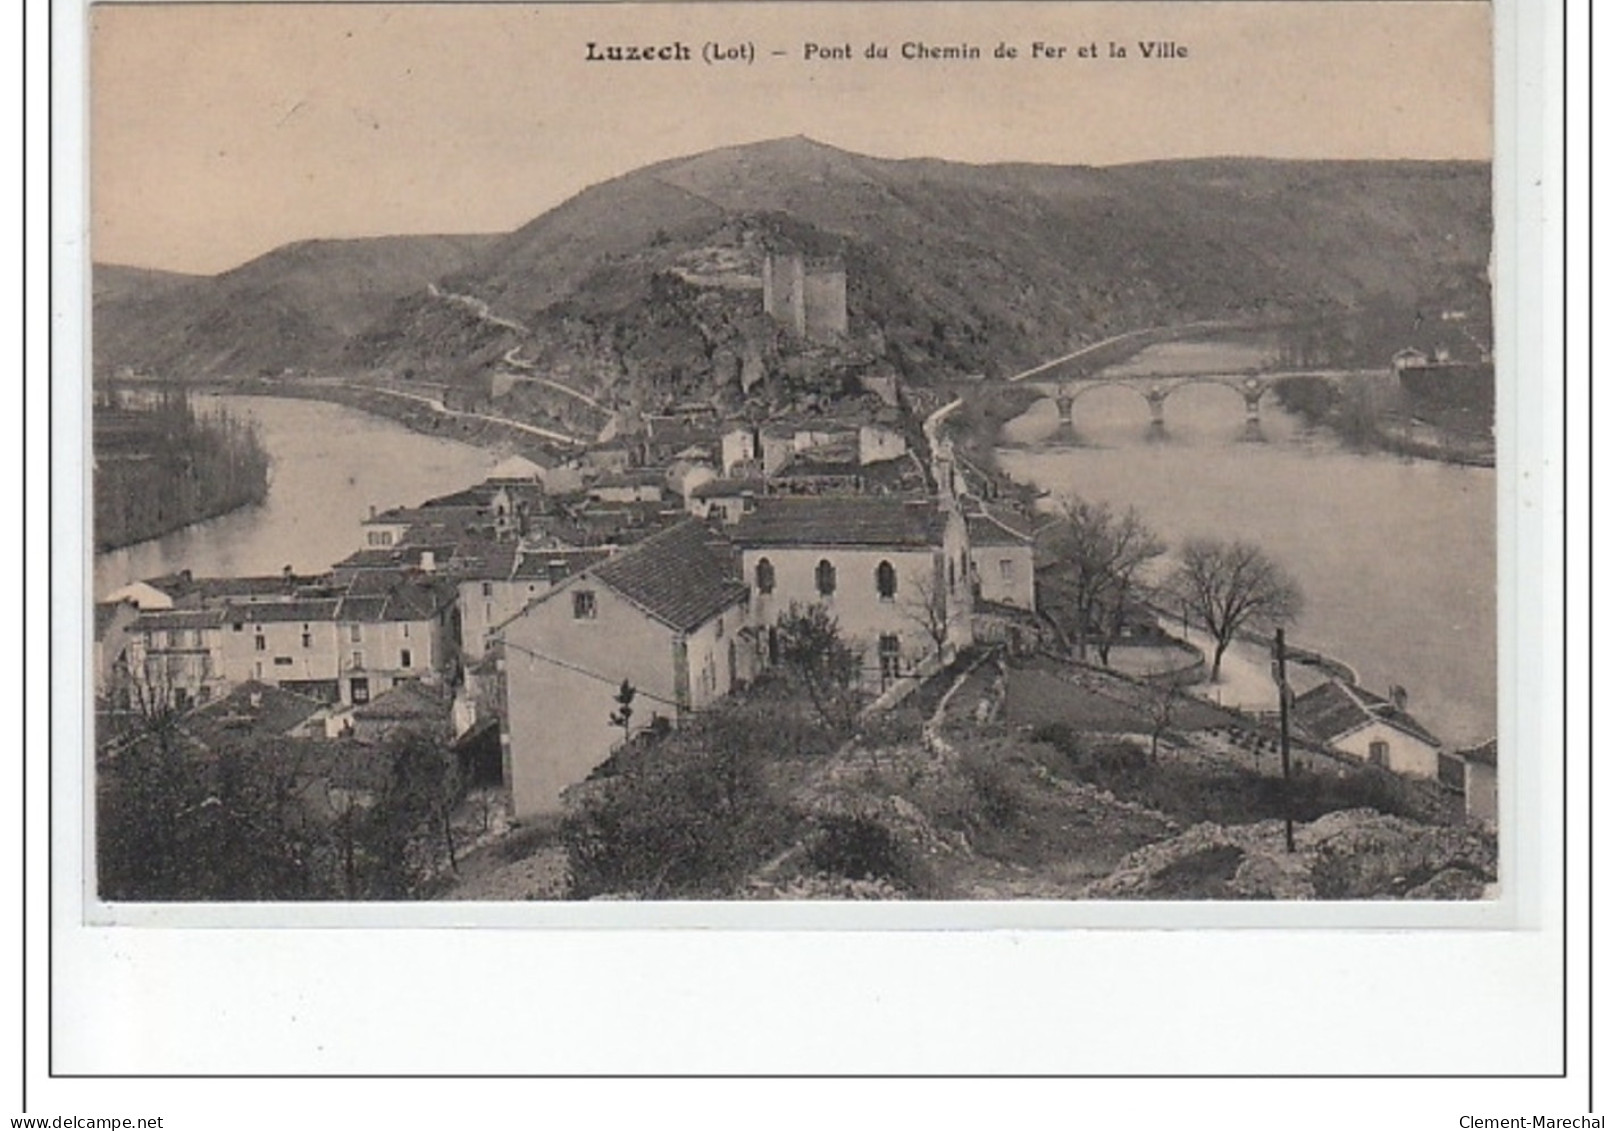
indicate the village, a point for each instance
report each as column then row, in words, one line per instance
column 542, row 625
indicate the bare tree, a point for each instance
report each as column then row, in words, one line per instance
column 1098, row 554
column 1162, row 703
column 1227, row 585
column 924, row 601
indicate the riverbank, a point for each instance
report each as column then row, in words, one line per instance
column 161, row 465
column 418, row 414
column 1365, row 426
column 332, row 464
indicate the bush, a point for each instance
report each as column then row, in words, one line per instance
column 687, row 816
column 859, row 848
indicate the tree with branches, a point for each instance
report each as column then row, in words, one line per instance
column 1225, row 586
column 1099, row 555
column 925, row 603
column 814, row 655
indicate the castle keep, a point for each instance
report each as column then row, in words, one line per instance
column 807, row 295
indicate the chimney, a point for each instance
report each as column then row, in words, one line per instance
column 1399, row 696
column 372, row 510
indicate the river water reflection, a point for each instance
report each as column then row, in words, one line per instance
column 1396, row 557
column 330, row 465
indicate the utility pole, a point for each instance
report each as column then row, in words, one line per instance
column 1284, row 734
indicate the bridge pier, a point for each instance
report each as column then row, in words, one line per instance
column 1253, row 391
column 1063, row 401
column 1156, row 398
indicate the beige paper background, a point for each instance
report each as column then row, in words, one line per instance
column 221, row 131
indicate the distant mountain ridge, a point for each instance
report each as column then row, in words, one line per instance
column 951, row 268
column 293, row 307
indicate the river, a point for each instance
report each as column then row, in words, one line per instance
column 1396, row 557
column 330, row 464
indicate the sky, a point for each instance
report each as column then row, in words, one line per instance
column 218, row 132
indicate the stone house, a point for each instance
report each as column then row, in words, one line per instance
column 1002, row 568
column 1353, row 720
column 893, row 572
column 668, row 615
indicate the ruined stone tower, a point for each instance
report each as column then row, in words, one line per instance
column 808, row 296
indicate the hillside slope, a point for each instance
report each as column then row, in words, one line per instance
column 646, row 288
column 293, row 307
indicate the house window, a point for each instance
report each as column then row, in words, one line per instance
column 406, row 630
column 283, row 661
column 257, row 669
column 355, row 633
column 1379, row 753
column 151, row 640
column 308, row 639
column 583, row 607
column 825, row 577
column 356, row 660
column 405, row 659
column 765, row 576
column 953, row 578
column 886, row 581
column 258, row 643
column 1006, row 569
column 236, row 626
column 487, row 589
column 718, row 633
column 359, row 690
column 196, row 638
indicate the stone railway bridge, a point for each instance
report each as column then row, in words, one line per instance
column 1157, row 388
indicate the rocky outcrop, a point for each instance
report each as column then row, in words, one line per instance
column 1351, row 854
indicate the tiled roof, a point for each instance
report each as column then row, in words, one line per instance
column 180, row 618
column 841, row 522
column 992, row 527
column 377, row 595
column 1333, row 710
column 728, row 488
column 406, row 701
column 438, row 514
column 645, row 477
column 536, row 563
column 372, row 559
column 675, row 576
column 256, row 708
column 276, row 612
column 271, row 585
column 485, row 561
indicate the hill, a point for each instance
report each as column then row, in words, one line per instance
column 646, row 288
column 293, row 307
